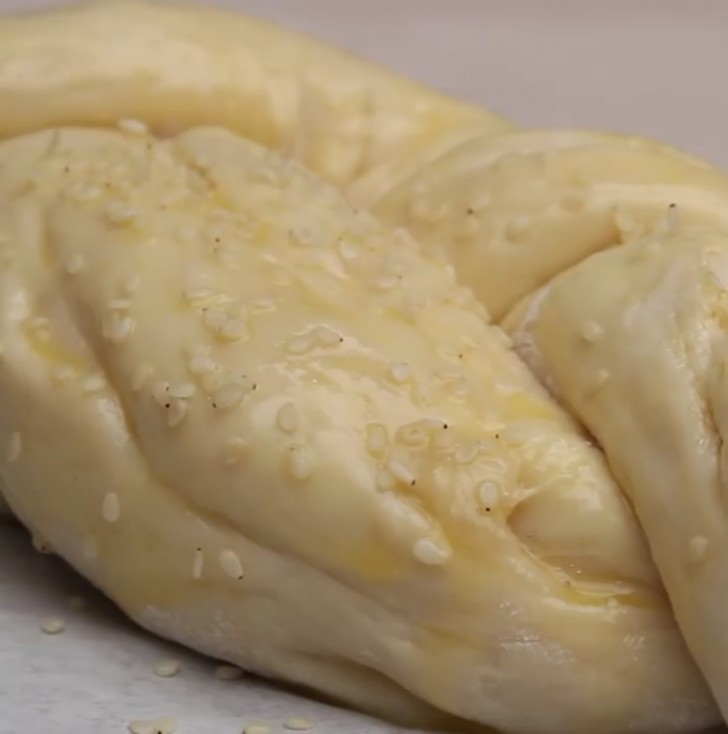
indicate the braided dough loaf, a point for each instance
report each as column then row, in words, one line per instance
column 276, row 427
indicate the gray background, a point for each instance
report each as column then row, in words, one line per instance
column 656, row 68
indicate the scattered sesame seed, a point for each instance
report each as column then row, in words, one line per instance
column 52, row 625
column 326, row 337
column 601, row 378
column 399, row 372
column 64, row 373
column 41, row 545
column 430, row 553
column 15, row 446
column 132, row 284
column 229, row 397
column 466, row 452
column 697, row 548
column 300, row 344
column 236, row 448
column 299, row 462
column 176, row 411
column 347, row 251
column 413, row 435
column 444, row 440
column 200, row 364
column 154, row 726
column 198, row 294
column 117, row 328
column 488, row 495
column 75, row 264
column 518, row 226
column 401, row 472
column 120, row 304
column 167, row 668
column 132, row 126
column 228, row 672
column 298, row 723
column 376, row 439
column 385, row 282
column 256, row 729
column 198, row 563
column 94, row 383
column 111, row 508
column 119, row 213
column 288, row 419
column 140, row 376
column 230, row 564
column 232, row 330
column 592, row 332
column 182, row 390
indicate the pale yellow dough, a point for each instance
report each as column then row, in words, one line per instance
column 251, row 399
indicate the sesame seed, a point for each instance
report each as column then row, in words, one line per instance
column 142, row 373
column 399, row 372
column 64, row 373
column 52, row 625
column 385, row 282
column 299, row 462
column 430, row 553
column 132, row 126
column 160, row 392
column 198, row 563
column 376, row 439
column 592, row 332
column 287, row 419
column 601, row 378
column 444, row 440
column 153, row 726
column 182, row 390
column 75, row 264
column 228, row 672
column 326, row 337
column 298, row 723
column 401, row 472
column 518, row 226
column 200, row 364
column 625, row 222
column 116, row 327
column 93, row 384
column 120, row 304
column 466, row 452
column 41, row 545
column 697, row 548
column 176, row 411
column 232, row 330
column 488, row 495
column 412, row 435
column 15, row 446
column 119, row 213
column 236, row 448
column 228, row 397
column 111, row 508
column 132, row 284
column 256, row 729
column 300, row 344
column 167, row 668
column 347, row 251
column 230, row 564
column 197, row 294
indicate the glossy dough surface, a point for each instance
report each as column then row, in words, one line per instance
column 277, row 428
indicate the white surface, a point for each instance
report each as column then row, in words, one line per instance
column 654, row 67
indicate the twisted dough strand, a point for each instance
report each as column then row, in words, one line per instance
column 631, row 340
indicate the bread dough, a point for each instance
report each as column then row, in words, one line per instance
column 634, row 341
column 276, row 428
column 185, row 425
